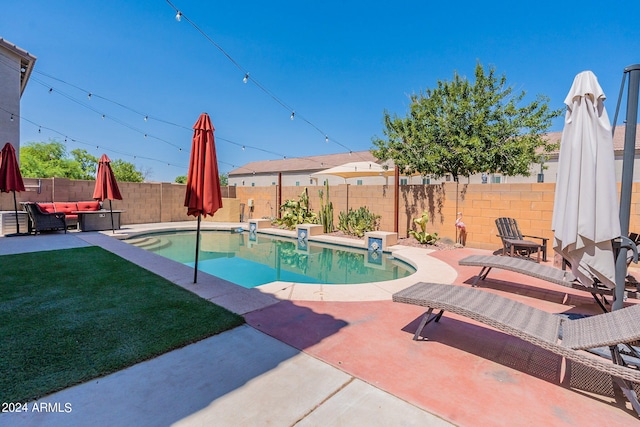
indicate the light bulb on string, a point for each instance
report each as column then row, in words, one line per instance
column 145, row 135
column 11, row 117
column 293, row 114
column 179, row 16
column 50, row 89
column 103, row 117
column 243, row 148
column 89, row 95
column 39, row 129
column 326, row 138
column 246, row 78
column 146, row 118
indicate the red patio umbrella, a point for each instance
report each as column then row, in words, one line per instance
column 203, row 196
column 106, row 185
column 10, row 176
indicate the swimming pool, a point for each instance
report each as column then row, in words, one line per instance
column 254, row 260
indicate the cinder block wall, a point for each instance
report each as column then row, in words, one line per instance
column 141, row 202
column 480, row 204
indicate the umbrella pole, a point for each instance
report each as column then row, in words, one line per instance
column 15, row 209
column 195, row 272
column 113, row 228
column 627, row 179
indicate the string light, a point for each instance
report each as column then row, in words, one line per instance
column 246, row 73
column 91, row 95
column 326, row 139
column 293, row 114
column 179, row 16
column 11, row 117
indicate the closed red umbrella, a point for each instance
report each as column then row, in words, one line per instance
column 10, row 176
column 106, row 185
column 203, row 196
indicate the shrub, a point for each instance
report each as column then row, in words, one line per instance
column 296, row 212
column 356, row 223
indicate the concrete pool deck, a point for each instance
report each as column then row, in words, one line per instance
column 319, row 362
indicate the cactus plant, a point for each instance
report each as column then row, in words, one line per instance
column 326, row 210
column 422, row 236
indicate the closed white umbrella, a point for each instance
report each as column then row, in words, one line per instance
column 585, row 218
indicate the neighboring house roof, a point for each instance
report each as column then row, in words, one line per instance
column 618, row 138
column 27, row 61
column 303, row 164
column 317, row 163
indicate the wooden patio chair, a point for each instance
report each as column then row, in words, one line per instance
column 514, row 242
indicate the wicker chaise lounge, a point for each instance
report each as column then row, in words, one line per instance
column 539, row 271
column 565, row 337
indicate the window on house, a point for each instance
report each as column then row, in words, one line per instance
column 426, row 181
column 253, row 184
column 448, row 178
column 403, row 181
column 495, row 179
column 297, row 183
column 359, row 182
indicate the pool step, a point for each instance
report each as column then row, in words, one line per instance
column 150, row 243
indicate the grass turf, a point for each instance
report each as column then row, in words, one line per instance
column 68, row 316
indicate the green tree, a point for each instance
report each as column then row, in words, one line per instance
column 87, row 162
column 463, row 128
column 50, row 159
column 126, row 172
column 224, row 179
column 46, row 160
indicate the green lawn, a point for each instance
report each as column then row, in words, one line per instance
column 68, row 316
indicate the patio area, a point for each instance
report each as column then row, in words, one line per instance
column 347, row 362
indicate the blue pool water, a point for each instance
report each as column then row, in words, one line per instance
column 252, row 260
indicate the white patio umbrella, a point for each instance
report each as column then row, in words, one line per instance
column 585, row 218
column 356, row 170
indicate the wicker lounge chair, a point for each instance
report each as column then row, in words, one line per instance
column 514, row 243
column 43, row 221
column 543, row 272
column 565, row 337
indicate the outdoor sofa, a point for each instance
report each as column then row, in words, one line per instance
column 56, row 215
column 68, row 208
column 566, row 337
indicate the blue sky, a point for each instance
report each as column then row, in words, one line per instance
column 337, row 64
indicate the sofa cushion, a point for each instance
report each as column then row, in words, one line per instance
column 66, row 207
column 46, row 207
column 89, row 206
